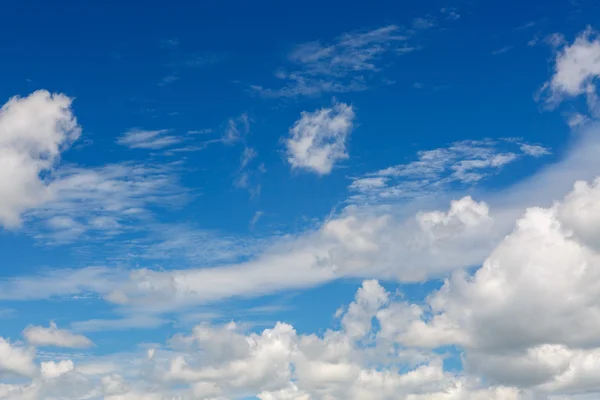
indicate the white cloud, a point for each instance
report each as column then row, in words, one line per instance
column 340, row 66
column 33, row 132
column 106, row 200
column 246, row 178
column 318, row 140
column 248, row 155
column 461, row 163
column 16, row 360
column 528, row 317
column 51, row 369
column 143, row 139
column 576, row 68
column 385, row 242
column 137, row 321
column 256, row 217
column 524, row 333
column 237, row 129
column 53, row 336
column 577, row 65
column 534, row 150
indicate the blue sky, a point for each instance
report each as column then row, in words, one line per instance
column 318, row 200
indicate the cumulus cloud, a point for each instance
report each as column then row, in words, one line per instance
column 34, row 130
column 525, row 324
column 51, row 369
column 576, row 65
column 354, row 244
column 16, row 360
column 53, row 336
column 278, row 363
column 576, row 69
column 388, row 242
column 528, row 317
column 318, row 139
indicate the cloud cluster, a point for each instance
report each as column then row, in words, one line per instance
column 225, row 362
column 525, row 324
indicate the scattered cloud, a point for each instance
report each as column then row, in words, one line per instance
column 451, row 13
column 345, row 64
column 169, row 43
column 462, row 163
column 534, row 150
column 423, row 23
column 525, row 26
column 248, row 155
column 53, row 336
column 139, row 321
column 257, row 216
column 168, row 80
column 143, row 139
column 502, row 50
column 237, row 129
column 204, row 131
column 318, row 139
column 351, row 62
column 104, row 201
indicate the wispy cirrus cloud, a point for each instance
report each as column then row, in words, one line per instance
column 347, row 63
column 461, row 163
column 148, row 139
column 104, row 201
column 502, row 50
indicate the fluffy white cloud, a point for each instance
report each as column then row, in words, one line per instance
column 576, row 66
column 360, row 361
column 53, row 336
column 576, row 69
column 16, row 360
column 357, row 243
column 51, row 369
column 529, row 316
column 33, row 132
column 318, row 139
